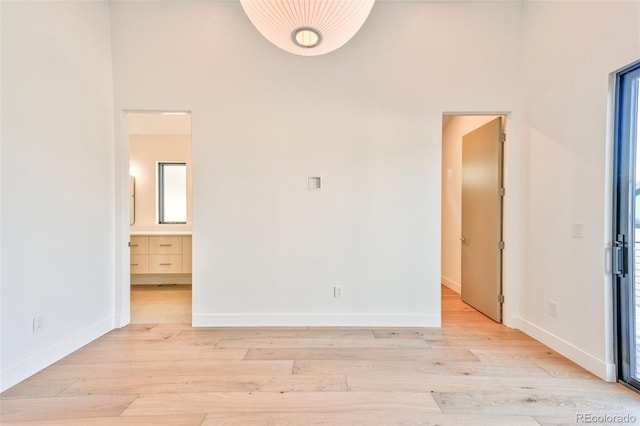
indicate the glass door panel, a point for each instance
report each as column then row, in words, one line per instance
column 635, row 285
column 626, row 220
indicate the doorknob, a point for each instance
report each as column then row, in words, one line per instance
column 462, row 239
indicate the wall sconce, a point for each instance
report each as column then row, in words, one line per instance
column 307, row 27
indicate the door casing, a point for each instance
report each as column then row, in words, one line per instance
column 512, row 205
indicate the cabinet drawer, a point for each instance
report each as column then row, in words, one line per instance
column 167, row 244
column 139, row 244
column 139, row 264
column 165, row 263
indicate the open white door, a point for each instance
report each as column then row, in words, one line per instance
column 482, row 195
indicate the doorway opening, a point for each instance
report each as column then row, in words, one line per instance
column 472, row 209
column 160, row 227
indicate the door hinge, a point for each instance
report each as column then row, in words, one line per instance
column 503, row 137
column 619, row 259
column 129, row 244
column 501, row 245
column 501, row 298
column 501, row 192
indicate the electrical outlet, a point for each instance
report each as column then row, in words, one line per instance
column 337, row 292
column 553, row 309
column 38, row 323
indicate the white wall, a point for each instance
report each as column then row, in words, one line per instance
column 159, row 123
column 569, row 48
column 57, row 181
column 367, row 118
column 145, row 151
column 452, row 132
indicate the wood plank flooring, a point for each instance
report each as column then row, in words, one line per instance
column 161, row 304
column 472, row 371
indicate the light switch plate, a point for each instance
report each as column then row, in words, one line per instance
column 315, row 183
column 577, row 230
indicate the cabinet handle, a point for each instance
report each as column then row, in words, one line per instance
column 134, row 264
column 165, row 264
column 165, row 245
column 134, row 245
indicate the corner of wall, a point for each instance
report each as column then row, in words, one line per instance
column 16, row 373
column 604, row 370
column 453, row 285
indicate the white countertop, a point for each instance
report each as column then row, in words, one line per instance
column 167, row 232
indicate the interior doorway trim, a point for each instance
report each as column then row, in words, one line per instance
column 511, row 211
column 122, row 291
column 122, row 284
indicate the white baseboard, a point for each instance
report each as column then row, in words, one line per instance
column 606, row 371
column 315, row 320
column 453, row 285
column 17, row 373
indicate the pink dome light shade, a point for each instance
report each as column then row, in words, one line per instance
column 308, row 27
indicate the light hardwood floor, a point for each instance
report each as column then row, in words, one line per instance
column 161, row 304
column 472, row 371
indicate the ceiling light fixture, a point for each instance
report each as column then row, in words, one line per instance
column 306, row 37
column 307, row 27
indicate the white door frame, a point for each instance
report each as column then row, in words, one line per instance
column 122, row 287
column 122, row 276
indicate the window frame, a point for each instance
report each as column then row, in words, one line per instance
column 161, row 192
column 627, row 92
